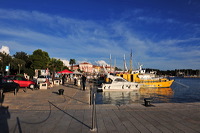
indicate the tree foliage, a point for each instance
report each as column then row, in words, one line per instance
column 72, row 62
column 25, row 57
column 18, row 64
column 5, row 60
column 40, row 59
column 21, row 55
column 55, row 65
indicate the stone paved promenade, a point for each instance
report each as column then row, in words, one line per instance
column 44, row 111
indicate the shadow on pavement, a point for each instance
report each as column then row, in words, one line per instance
column 70, row 115
column 70, row 98
column 4, row 116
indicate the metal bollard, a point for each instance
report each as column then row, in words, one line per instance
column 60, row 91
column 147, row 102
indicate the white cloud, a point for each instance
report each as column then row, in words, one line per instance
column 5, row 49
column 66, row 62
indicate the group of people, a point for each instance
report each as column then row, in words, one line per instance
column 83, row 80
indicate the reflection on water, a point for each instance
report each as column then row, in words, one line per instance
column 117, row 97
column 182, row 90
column 159, row 94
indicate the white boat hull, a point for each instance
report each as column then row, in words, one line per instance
column 119, row 84
column 120, row 87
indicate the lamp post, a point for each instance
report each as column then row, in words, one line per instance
column 2, row 69
column 19, row 65
column 1, row 63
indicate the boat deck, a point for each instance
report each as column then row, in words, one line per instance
column 44, row 111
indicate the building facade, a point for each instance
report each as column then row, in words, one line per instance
column 89, row 68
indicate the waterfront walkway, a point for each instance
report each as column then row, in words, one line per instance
column 44, row 111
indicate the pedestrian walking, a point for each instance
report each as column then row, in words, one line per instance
column 63, row 79
column 75, row 80
column 83, row 79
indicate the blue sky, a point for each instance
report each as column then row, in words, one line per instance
column 163, row 34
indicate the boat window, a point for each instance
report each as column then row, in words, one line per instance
column 131, row 78
column 119, row 80
column 110, row 80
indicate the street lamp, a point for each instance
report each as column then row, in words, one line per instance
column 19, row 65
column 2, row 69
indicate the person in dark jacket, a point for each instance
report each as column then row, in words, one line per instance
column 63, row 79
column 83, row 79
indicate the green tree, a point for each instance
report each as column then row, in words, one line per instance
column 5, row 60
column 55, row 65
column 72, row 62
column 23, row 56
column 27, row 67
column 40, row 59
column 18, row 65
column 65, row 67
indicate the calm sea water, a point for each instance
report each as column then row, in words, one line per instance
column 182, row 90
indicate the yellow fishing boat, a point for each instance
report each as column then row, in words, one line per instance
column 147, row 80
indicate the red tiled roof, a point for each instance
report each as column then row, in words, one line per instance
column 84, row 63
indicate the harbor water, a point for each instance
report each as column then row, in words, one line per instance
column 183, row 90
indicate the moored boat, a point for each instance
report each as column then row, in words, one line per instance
column 117, row 83
column 147, row 79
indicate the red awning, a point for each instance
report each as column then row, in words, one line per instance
column 65, row 71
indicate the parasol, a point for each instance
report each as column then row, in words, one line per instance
column 65, row 71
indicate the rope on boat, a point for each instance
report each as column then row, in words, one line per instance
column 182, row 84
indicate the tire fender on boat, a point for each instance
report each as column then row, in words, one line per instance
column 129, row 86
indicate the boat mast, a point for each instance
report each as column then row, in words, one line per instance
column 125, row 67
column 110, row 62
column 114, row 65
column 131, row 66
